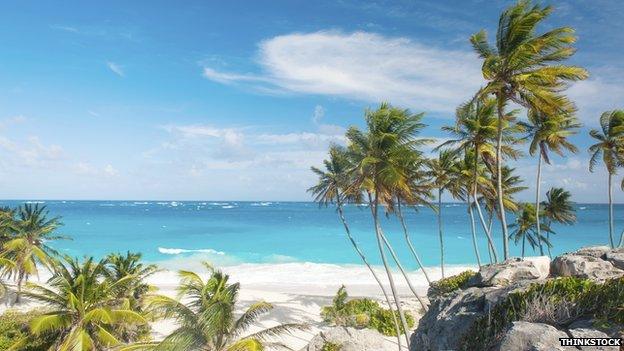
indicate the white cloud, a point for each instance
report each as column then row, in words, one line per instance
column 88, row 169
column 364, row 66
column 595, row 96
column 117, row 69
column 31, row 153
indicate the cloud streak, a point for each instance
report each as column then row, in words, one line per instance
column 363, row 66
column 115, row 68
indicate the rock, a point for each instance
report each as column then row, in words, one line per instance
column 525, row 336
column 593, row 251
column 351, row 339
column 591, row 333
column 513, row 270
column 584, row 266
column 616, row 257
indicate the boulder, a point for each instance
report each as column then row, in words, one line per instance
column 525, row 336
column 584, row 266
column 593, row 251
column 616, row 257
column 513, row 270
column 591, row 333
column 351, row 339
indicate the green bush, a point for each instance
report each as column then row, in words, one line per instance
column 330, row 346
column 14, row 327
column 450, row 284
column 361, row 313
column 602, row 302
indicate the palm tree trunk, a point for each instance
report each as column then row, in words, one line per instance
column 548, row 238
column 474, row 234
column 499, row 175
column 18, row 293
column 409, row 241
column 610, row 213
column 523, row 242
column 378, row 234
column 440, row 231
column 488, row 234
column 370, row 268
column 537, row 203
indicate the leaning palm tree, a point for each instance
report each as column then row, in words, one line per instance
column 332, row 187
column 441, row 171
column 28, row 246
column 609, row 146
column 525, row 228
column 476, row 130
column 524, row 67
column 379, row 156
column 548, row 133
column 206, row 318
column 84, row 310
column 558, row 208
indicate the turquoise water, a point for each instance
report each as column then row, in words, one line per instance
column 269, row 232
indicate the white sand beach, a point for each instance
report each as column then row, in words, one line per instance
column 297, row 291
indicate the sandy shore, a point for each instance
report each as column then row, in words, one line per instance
column 297, row 290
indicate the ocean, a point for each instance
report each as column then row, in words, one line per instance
column 233, row 233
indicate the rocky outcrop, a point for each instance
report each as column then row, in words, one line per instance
column 589, row 263
column 451, row 315
column 350, row 339
column 512, row 271
column 523, row 336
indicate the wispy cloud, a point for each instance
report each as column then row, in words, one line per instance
column 117, row 69
column 364, row 66
column 65, row 28
column 595, row 96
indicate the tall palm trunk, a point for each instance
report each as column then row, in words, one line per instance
column 409, row 241
column 610, row 213
column 537, row 203
column 474, row 232
column 382, row 252
column 20, row 281
column 523, row 242
column 370, row 268
column 440, row 231
column 488, row 234
column 499, row 175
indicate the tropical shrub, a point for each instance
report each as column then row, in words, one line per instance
column 578, row 298
column 361, row 313
column 14, row 327
column 330, row 346
column 450, row 284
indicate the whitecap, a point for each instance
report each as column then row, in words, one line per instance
column 582, row 208
column 228, row 206
column 176, row 251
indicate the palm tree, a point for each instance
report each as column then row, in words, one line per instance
column 476, row 129
column 332, row 187
column 84, row 308
column 132, row 292
column 523, row 67
column 548, row 133
column 28, row 244
column 441, row 170
column 558, row 208
column 419, row 194
column 206, row 318
column 379, row 156
column 610, row 147
column 526, row 228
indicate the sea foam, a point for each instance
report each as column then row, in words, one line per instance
column 176, row 251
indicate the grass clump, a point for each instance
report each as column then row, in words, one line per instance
column 330, row 346
column 558, row 302
column 361, row 313
column 450, row 284
column 14, row 329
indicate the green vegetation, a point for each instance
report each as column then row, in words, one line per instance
column 14, row 327
column 450, row 284
column 579, row 297
column 206, row 319
column 361, row 313
column 330, row 346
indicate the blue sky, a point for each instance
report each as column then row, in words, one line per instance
column 236, row 100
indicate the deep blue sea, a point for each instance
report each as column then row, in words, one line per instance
column 275, row 232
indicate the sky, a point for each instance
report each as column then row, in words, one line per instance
column 213, row 100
